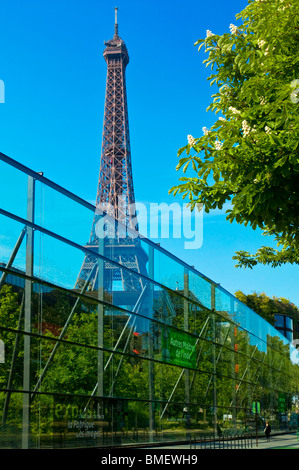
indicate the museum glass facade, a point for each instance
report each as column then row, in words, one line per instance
column 82, row 367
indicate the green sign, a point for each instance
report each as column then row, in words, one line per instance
column 179, row 348
column 281, row 403
column 256, row 407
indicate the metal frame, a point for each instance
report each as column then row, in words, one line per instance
column 39, row 177
column 124, row 258
column 32, row 227
column 28, row 315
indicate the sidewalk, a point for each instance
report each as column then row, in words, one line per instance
column 284, row 441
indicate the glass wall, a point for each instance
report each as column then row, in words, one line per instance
column 112, row 355
column 284, row 324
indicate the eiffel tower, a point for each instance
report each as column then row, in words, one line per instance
column 115, row 194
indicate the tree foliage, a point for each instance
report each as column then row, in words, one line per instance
column 73, row 373
column 249, row 157
column 9, row 316
column 267, row 307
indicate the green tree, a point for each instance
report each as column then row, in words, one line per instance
column 9, row 317
column 249, row 157
column 267, row 307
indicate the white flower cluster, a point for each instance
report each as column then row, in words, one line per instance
column 209, row 33
column 218, row 145
column 268, row 130
column 221, row 118
column 261, row 42
column 234, row 110
column 246, row 128
column 191, row 140
column 205, row 130
column 263, row 100
column 233, row 28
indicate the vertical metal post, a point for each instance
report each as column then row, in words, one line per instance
column 186, row 328
column 270, row 377
column 233, row 367
column 101, row 269
column 249, row 354
column 28, row 314
column 151, row 392
column 213, row 305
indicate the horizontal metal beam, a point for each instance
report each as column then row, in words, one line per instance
column 46, row 181
column 86, row 250
column 85, row 297
column 10, row 161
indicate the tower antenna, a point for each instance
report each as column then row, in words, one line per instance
column 116, row 24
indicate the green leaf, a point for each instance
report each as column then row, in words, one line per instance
column 181, row 162
column 186, row 167
column 201, row 45
column 181, row 150
column 258, row 173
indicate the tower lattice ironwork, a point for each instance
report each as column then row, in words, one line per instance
column 115, row 194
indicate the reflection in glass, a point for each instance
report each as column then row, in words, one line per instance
column 114, row 366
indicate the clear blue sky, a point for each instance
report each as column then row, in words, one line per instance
column 54, row 73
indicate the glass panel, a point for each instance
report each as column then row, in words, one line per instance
column 289, row 335
column 11, row 419
column 279, row 321
column 168, row 272
column 289, row 323
column 11, row 233
column 200, row 289
column 126, row 353
column 13, row 197
column 62, row 215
